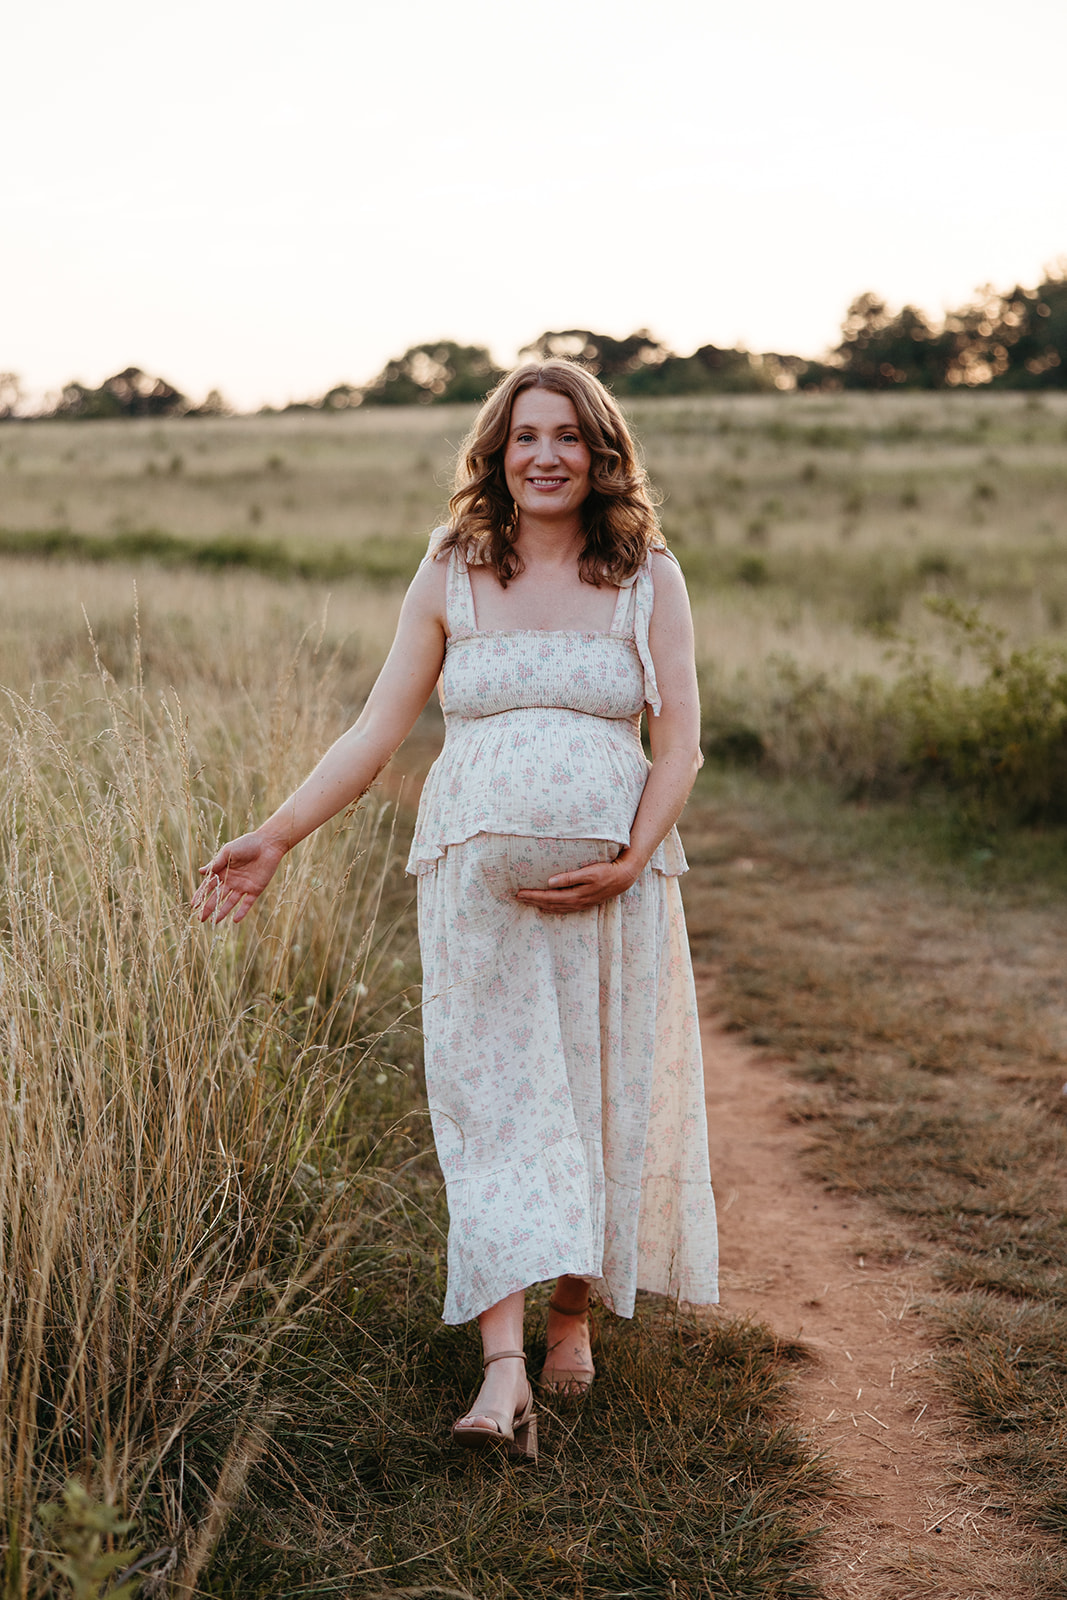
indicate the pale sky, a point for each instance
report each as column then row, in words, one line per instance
column 272, row 198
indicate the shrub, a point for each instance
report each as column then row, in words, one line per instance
column 753, row 571
column 805, row 725
column 1000, row 743
column 995, row 743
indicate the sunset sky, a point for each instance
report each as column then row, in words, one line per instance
column 272, row 198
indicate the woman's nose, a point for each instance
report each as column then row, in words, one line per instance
column 546, row 450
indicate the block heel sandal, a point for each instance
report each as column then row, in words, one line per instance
column 517, row 1435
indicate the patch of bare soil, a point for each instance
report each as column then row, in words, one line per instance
column 912, row 1518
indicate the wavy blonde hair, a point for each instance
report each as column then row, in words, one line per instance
column 618, row 515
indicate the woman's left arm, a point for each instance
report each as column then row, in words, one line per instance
column 674, row 737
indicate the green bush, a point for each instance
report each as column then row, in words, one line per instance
column 1000, row 742
column 994, row 740
column 793, row 724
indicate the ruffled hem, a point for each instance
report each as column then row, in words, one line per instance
column 551, row 1230
column 543, row 1244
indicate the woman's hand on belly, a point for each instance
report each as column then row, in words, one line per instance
column 582, row 888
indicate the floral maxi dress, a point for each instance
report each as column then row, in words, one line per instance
column 563, row 1064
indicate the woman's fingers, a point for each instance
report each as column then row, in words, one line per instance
column 579, row 890
column 563, row 899
column 235, row 878
column 213, row 875
column 217, row 906
column 207, row 898
column 204, row 892
column 215, row 898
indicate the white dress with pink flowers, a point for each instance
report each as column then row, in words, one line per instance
column 563, row 1063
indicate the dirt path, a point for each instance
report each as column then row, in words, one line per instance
column 912, row 1518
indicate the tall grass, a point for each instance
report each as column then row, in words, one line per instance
column 177, row 1105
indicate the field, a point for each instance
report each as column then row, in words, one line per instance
column 814, row 523
column 824, row 539
column 222, row 1224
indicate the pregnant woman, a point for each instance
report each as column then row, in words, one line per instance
column 563, row 1064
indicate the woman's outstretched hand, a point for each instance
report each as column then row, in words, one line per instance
column 582, row 888
column 236, row 877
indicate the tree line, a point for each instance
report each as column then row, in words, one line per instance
column 1011, row 340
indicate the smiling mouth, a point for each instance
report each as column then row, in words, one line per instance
column 546, row 483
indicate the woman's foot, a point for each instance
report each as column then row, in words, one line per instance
column 568, row 1371
column 505, row 1393
column 503, row 1407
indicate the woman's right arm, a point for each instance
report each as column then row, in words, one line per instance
column 241, row 870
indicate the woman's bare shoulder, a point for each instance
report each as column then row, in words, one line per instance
column 427, row 588
column 667, row 575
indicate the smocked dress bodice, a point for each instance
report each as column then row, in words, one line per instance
column 542, row 729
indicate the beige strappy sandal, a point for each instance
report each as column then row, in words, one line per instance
column 517, row 1435
column 566, row 1383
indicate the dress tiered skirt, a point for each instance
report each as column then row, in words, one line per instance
column 565, row 1081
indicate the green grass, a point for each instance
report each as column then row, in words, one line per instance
column 379, row 560
column 679, row 1476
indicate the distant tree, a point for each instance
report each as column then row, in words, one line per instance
column 882, row 350
column 10, row 395
column 1039, row 347
column 710, row 370
column 342, row 397
column 818, row 377
column 75, row 400
column 1013, row 340
column 434, row 373
column 1017, row 340
column 609, row 358
column 129, row 393
column 214, row 404
column 643, row 365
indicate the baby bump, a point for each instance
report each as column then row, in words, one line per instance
column 468, row 910
column 529, row 863
column 480, row 878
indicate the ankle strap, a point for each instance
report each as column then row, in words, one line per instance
column 504, row 1355
column 563, row 1311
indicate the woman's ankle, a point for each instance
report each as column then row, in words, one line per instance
column 570, row 1296
column 501, row 1325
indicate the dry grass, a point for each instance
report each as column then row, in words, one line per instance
column 177, row 1107
column 843, row 509
column 219, row 639
column 321, row 480
column 814, row 530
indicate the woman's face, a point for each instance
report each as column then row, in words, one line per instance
column 546, row 460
